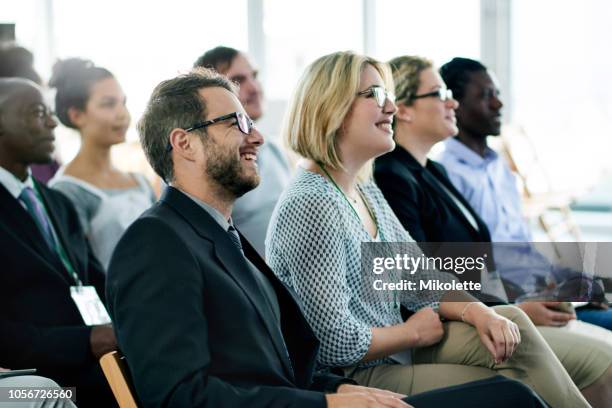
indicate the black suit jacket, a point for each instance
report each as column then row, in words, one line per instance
column 195, row 326
column 427, row 212
column 40, row 325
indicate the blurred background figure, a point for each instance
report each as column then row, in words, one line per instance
column 16, row 61
column 90, row 100
column 484, row 178
column 253, row 210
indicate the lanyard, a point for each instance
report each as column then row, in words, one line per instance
column 58, row 245
column 380, row 233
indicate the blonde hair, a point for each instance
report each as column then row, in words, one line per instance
column 322, row 99
column 406, row 72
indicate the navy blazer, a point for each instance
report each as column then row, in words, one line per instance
column 40, row 324
column 427, row 212
column 194, row 324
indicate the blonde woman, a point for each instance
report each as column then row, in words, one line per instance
column 339, row 121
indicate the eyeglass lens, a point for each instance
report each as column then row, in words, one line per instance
column 243, row 123
column 381, row 95
column 445, row 94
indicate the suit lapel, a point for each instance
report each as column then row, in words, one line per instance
column 61, row 230
column 432, row 177
column 305, row 345
column 233, row 263
column 20, row 223
column 482, row 233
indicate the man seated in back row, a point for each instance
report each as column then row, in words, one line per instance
column 45, row 257
column 252, row 212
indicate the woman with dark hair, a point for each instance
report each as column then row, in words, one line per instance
column 90, row 100
column 433, row 211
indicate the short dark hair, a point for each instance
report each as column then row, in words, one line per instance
column 175, row 103
column 17, row 62
column 456, row 74
column 11, row 86
column 73, row 79
column 219, row 58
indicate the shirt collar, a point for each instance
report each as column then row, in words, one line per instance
column 13, row 184
column 213, row 212
column 464, row 154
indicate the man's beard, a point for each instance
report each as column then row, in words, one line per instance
column 226, row 170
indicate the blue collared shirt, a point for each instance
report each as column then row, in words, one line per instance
column 14, row 185
column 490, row 187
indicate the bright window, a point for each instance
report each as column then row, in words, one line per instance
column 436, row 29
column 298, row 32
column 562, row 87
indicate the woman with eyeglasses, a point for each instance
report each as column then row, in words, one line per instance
column 90, row 100
column 339, row 120
column 433, row 211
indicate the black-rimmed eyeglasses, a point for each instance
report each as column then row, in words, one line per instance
column 245, row 124
column 379, row 93
column 443, row 94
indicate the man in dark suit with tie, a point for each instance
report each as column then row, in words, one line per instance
column 43, row 253
column 200, row 317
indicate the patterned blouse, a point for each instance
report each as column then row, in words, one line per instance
column 314, row 246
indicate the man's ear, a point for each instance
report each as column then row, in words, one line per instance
column 404, row 113
column 182, row 144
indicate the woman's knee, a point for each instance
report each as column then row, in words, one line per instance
column 515, row 314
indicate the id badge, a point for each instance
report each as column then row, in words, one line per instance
column 89, row 304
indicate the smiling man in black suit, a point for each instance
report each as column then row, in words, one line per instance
column 200, row 317
column 43, row 254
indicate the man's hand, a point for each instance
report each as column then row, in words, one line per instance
column 425, row 326
column 102, row 340
column 4, row 369
column 350, row 396
column 544, row 314
column 499, row 335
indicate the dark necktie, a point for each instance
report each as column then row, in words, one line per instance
column 233, row 234
column 36, row 210
column 267, row 292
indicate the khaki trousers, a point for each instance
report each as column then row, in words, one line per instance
column 460, row 357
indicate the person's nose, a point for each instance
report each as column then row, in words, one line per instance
column 51, row 122
column 255, row 137
column 496, row 103
column 248, row 86
column 253, row 84
column 389, row 108
column 123, row 112
column 452, row 103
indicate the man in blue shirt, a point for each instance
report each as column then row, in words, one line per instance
column 486, row 181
